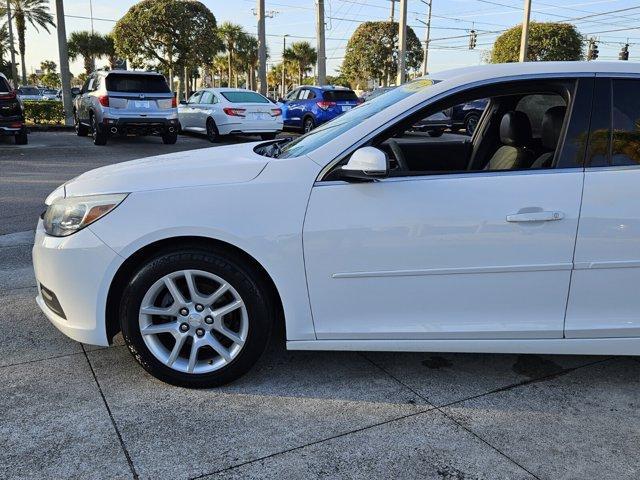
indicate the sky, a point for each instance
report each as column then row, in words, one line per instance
column 450, row 18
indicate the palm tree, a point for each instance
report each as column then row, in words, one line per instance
column 303, row 55
column 89, row 46
column 4, row 42
column 248, row 58
column 220, row 67
column 35, row 12
column 110, row 50
column 231, row 34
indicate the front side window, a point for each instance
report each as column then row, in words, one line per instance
column 207, row 97
column 195, row 98
column 625, row 119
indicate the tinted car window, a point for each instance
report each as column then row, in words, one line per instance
column 28, row 91
column 244, row 97
column 535, row 107
column 625, row 117
column 207, row 97
column 340, row 95
column 4, row 86
column 135, row 83
column 195, row 98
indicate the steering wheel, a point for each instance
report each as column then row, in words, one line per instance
column 397, row 153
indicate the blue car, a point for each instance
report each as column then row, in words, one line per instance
column 306, row 107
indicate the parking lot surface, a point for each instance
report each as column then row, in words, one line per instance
column 76, row 411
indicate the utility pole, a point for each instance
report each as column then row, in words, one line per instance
column 402, row 43
column 524, row 39
column 425, row 56
column 392, row 17
column 322, row 57
column 262, row 49
column 65, row 76
column 14, row 70
column 284, row 47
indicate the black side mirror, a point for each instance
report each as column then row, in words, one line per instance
column 75, row 91
column 183, row 102
column 282, row 100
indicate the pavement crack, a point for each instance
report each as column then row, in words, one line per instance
column 439, row 409
column 113, row 421
column 310, row 444
column 27, row 362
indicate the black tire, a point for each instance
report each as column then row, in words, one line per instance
column 471, row 123
column 22, row 138
column 99, row 135
column 435, row 132
column 81, row 130
column 308, row 124
column 212, row 131
column 268, row 136
column 170, row 138
column 226, row 265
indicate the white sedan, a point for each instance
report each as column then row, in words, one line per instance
column 230, row 111
column 364, row 235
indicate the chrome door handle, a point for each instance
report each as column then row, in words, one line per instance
column 535, row 217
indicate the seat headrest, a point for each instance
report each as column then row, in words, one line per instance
column 552, row 126
column 515, row 129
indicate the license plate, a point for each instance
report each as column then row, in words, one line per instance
column 260, row 116
column 346, row 108
column 141, row 104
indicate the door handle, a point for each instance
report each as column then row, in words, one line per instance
column 535, row 217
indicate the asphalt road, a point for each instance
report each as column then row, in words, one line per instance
column 76, row 411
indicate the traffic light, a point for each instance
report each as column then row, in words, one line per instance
column 473, row 38
column 593, row 51
column 624, row 52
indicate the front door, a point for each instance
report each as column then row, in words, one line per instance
column 476, row 254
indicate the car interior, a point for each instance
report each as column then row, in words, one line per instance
column 520, row 129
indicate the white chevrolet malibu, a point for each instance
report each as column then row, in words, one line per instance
column 364, row 235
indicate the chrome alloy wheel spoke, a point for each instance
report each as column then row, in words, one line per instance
column 177, row 333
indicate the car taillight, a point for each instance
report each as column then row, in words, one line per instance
column 9, row 95
column 104, row 100
column 275, row 112
column 325, row 105
column 174, row 102
column 234, row 112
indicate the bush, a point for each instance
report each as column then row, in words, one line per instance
column 48, row 112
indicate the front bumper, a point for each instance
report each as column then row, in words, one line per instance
column 76, row 270
column 128, row 126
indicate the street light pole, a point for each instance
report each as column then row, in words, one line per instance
column 425, row 57
column 262, row 49
column 65, row 76
column 402, row 43
column 14, row 70
column 322, row 57
column 284, row 47
column 524, row 39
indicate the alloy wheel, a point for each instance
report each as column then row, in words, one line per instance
column 193, row 321
column 308, row 125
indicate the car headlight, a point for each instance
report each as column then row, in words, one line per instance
column 68, row 215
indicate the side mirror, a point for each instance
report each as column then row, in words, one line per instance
column 282, row 100
column 183, row 102
column 75, row 91
column 366, row 163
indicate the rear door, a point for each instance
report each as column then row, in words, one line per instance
column 188, row 111
column 604, row 300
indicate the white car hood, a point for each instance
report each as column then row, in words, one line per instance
column 207, row 166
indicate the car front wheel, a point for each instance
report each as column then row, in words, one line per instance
column 196, row 318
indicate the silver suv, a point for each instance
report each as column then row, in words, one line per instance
column 121, row 102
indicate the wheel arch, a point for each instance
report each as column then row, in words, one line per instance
column 126, row 269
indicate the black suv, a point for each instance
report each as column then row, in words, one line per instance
column 11, row 113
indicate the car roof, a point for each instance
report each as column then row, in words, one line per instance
column 127, row 72
column 498, row 70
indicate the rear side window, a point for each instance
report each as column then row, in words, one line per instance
column 137, row 83
column 625, row 119
column 4, row 86
column 340, row 95
column 244, row 97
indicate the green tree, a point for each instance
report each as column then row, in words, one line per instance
column 87, row 45
column 169, row 34
column 372, row 53
column 33, row 12
column 247, row 57
column 303, row 56
column 548, row 41
column 232, row 35
column 48, row 66
column 50, row 80
column 110, row 50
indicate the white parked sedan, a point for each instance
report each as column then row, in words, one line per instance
column 230, row 111
column 522, row 238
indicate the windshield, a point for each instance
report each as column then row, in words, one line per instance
column 244, row 97
column 330, row 130
column 28, row 91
